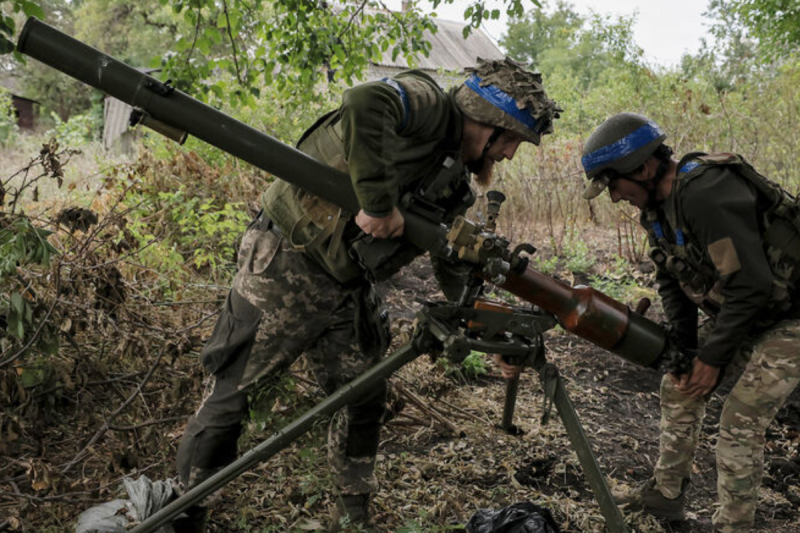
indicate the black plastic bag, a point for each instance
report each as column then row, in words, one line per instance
column 523, row 517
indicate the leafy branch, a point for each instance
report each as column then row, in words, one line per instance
column 7, row 24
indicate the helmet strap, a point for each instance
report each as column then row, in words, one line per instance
column 652, row 185
column 477, row 167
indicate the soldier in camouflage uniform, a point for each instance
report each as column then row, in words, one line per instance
column 306, row 267
column 725, row 240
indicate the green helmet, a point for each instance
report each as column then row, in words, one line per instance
column 503, row 94
column 619, row 145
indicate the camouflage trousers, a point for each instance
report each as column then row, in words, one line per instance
column 771, row 364
column 283, row 305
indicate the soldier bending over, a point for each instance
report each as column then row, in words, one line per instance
column 725, row 240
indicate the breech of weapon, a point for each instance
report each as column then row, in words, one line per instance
column 582, row 311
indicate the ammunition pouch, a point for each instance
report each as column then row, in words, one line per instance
column 696, row 280
column 371, row 322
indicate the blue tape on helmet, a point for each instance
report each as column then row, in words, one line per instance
column 501, row 100
column 641, row 136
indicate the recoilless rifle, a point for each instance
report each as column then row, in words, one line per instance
column 449, row 329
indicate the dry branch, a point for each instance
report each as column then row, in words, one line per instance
column 106, row 425
column 427, row 409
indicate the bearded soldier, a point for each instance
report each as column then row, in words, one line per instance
column 306, row 268
column 725, row 240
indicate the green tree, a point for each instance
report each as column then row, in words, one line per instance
column 229, row 52
column 53, row 90
column 775, row 23
column 8, row 24
column 730, row 57
column 129, row 31
column 529, row 37
column 588, row 47
column 229, row 49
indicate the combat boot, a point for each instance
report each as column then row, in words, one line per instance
column 192, row 520
column 649, row 499
column 351, row 514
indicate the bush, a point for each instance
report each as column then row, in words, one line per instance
column 77, row 131
column 8, row 119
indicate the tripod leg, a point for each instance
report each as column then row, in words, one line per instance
column 615, row 523
column 512, row 387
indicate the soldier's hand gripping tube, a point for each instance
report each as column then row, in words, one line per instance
column 584, row 312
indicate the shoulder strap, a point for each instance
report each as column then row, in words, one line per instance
column 320, row 121
column 404, row 97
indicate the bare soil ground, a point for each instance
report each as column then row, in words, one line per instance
column 438, row 462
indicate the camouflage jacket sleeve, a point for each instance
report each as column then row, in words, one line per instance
column 680, row 310
column 720, row 211
column 374, row 115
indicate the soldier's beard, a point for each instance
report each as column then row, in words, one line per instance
column 483, row 169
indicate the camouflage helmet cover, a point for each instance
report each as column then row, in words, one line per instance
column 502, row 93
column 618, row 146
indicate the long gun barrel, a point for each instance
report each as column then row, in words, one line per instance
column 582, row 311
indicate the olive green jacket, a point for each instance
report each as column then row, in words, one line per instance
column 388, row 136
column 731, row 272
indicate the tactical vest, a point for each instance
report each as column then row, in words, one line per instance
column 433, row 179
column 684, row 259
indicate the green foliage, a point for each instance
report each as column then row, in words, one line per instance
column 191, row 230
column 8, row 26
column 619, row 282
column 292, row 46
column 474, row 366
column 77, row 131
column 776, row 23
column 22, row 246
column 8, row 121
column 202, row 221
column 129, row 31
column 477, row 12
column 471, row 368
column 181, row 219
column 79, row 128
column 564, row 41
column 578, row 257
column 546, row 266
column 53, row 90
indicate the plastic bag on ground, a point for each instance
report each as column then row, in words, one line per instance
column 118, row 516
column 523, row 517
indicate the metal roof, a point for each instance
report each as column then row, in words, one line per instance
column 449, row 49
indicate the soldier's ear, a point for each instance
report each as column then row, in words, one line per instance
column 645, row 171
